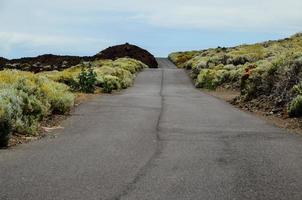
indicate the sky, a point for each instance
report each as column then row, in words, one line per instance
column 85, row 27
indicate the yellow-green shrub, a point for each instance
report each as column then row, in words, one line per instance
column 211, row 78
column 27, row 98
column 297, row 89
column 129, row 64
column 67, row 77
column 295, row 107
column 197, row 62
column 111, row 83
column 125, row 78
column 251, row 53
column 58, row 96
column 124, row 69
column 180, row 58
column 5, row 117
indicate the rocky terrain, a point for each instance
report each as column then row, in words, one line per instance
column 49, row 62
column 128, row 50
column 3, row 61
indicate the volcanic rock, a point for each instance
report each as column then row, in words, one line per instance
column 2, row 62
column 47, row 62
column 50, row 62
column 128, row 50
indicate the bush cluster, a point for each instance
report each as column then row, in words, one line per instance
column 106, row 74
column 266, row 70
column 25, row 99
column 87, row 80
column 295, row 106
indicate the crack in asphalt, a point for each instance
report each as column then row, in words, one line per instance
column 159, row 146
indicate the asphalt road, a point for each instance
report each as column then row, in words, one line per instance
column 160, row 140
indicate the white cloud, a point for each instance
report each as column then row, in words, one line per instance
column 197, row 14
column 204, row 14
column 74, row 24
column 32, row 42
column 269, row 15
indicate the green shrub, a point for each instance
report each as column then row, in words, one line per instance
column 212, row 78
column 125, row 78
column 252, row 87
column 87, row 80
column 111, row 83
column 297, row 89
column 129, row 64
column 180, row 58
column 5, row 132
column 23, row 110
column 68, row 77
column 298, row 61
column 31, row 113
column 295, row 107
column 274, row 69
column 235, row 74
column 26, row 98
column 123, row 68
column 5, row 126
column 206, row 79
column 198, row 62
column 248, row 53
column 58, row 96
column 62, row 104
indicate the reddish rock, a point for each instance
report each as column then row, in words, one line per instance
column 128, row 50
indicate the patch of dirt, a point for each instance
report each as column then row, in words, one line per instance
column 48, row 125
column 128, row 50
column 221, row 93
column 83, row 97
column 291, row 124
column 282, row 121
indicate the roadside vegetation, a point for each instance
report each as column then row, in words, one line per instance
column 268, row 75
column 27, row 98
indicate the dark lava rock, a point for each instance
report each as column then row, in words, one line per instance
column 50, row 62
column 3, row 61
column 128, row 50
column 47, row 62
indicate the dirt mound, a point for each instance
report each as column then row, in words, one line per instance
column 128, row 50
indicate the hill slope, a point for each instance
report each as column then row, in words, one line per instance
column 268, row 75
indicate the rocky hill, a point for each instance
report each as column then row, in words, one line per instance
column 50, row 62
column 128, row 50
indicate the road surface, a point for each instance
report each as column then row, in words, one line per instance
column 160, row 140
